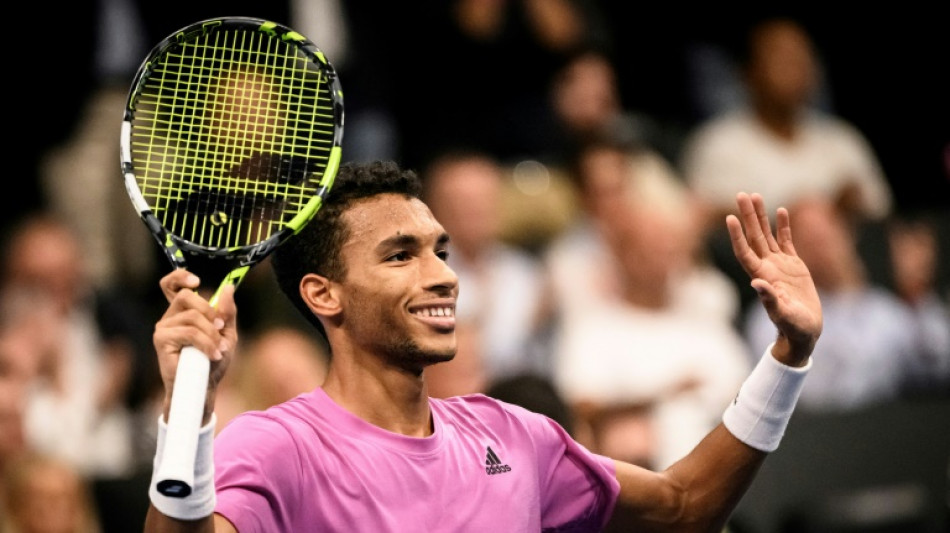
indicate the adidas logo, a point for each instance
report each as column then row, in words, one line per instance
column 493, row 464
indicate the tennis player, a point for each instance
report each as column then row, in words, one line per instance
column 370, row 450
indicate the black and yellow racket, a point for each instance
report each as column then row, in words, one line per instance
column 230, row 142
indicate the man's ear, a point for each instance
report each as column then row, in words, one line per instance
column 320, row 295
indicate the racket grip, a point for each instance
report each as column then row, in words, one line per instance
column 176, row 470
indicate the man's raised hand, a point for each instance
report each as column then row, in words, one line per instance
column 779, row 276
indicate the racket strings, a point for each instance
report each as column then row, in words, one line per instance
column 230, row 131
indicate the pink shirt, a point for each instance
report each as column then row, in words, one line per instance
column 309, row 465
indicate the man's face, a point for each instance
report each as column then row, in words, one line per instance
column 399, row 294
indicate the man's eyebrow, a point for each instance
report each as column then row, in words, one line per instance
column 398, row 241
column 409, row 241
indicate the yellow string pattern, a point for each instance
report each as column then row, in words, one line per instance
column 232, row 132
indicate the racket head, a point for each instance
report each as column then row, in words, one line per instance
column 231, row 138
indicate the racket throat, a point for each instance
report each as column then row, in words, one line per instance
column 234, row 277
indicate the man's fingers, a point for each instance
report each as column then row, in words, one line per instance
column 190, row 327
column 226, row 307
column 764, row 289
column 740, row 246
column 176, row 280
column 764, row 225
column 750, row 223
column 783, row 231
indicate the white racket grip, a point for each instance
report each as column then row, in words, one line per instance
column 176, row 470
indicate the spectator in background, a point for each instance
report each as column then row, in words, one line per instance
column 30, row 333
column 915, row 257
column 586, row 105
column 873, row 345
column 647, row 354
column 780, row 144
column 12, row 407
column 584, row 269
column 504, row 306
column 46, row 495
column 274, row 365
column 577, row 259
column 78, row 175
column 91, row 359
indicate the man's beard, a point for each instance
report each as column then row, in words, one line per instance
column 406, row 353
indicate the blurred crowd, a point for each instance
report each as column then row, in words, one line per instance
column 583, row 159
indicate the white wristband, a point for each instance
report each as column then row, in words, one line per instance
column 200, row 503
column 760, row 412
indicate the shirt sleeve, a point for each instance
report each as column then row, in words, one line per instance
column 256, row 471
column 578, row 488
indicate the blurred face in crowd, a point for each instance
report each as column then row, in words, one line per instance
column 782, row 70
column 823, row 241
column 46, row 496
column 652, row 246
column 280, row 364
column 47, row 257
column 603, row 176
column 465, row 196
column 585, row 94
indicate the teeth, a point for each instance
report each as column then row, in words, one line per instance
column 435, row 311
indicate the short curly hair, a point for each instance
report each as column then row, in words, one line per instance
column 316, row 249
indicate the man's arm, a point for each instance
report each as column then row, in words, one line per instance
column 699, row 492
column 156, row 522
column 191, row 321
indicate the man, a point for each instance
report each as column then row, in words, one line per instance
column 780, row 142
column 371, row 451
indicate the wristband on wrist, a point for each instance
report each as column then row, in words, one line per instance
column 200, row 503
column 761, row 410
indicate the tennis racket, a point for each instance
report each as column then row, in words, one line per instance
column 230, row 142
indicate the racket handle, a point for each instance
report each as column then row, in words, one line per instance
column 176, row 471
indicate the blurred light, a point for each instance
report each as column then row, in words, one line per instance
column 531, row 178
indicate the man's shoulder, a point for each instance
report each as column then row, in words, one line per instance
column 480, row 405
column 474, row 401
column 480, row 412
column 283, row 415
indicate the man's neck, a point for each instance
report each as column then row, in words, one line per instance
column 388, row 397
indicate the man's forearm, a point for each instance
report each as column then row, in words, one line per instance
column 700, row 491
column 156, row 522
column 697, row 493
column 715, row 476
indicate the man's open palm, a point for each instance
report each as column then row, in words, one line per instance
column 780, row 277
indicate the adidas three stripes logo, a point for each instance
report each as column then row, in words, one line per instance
column 493, row 464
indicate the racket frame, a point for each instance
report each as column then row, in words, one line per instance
column 174, row 476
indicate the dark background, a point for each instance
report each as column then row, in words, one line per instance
column 886, row 73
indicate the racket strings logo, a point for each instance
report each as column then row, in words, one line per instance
column 493, row 464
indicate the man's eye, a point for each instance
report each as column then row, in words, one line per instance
column 399, row 256
column 443, row 255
